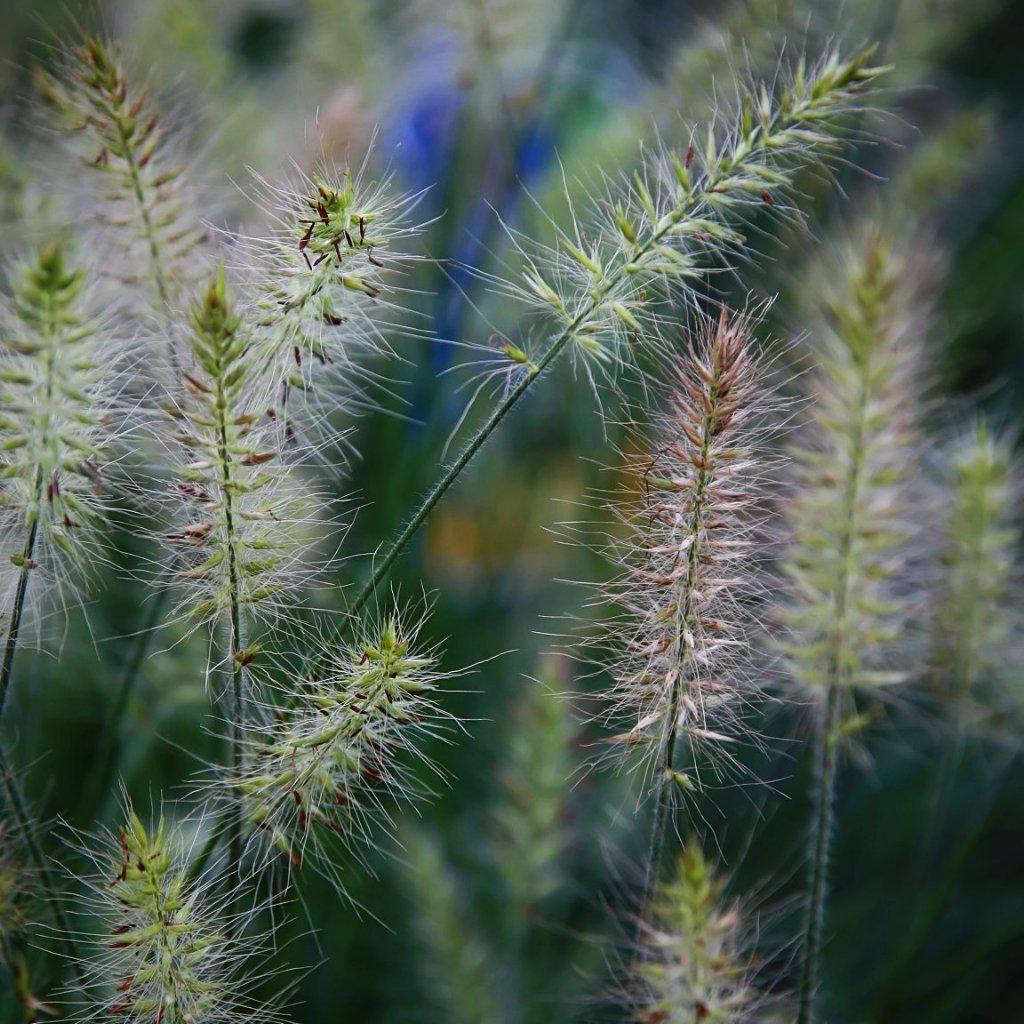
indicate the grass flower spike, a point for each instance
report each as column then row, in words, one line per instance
column 161, row 948
column 678, row 216
column 465, row 976
column 977, row 596
column 679, row 655
column 850, row 519
column 125, row 140
column 850, row 563
column 325, row 279
column 318, row 768
column 57, row 428
column 533, row 829
column 689, row 541
column 693, row 964
column 244, row 521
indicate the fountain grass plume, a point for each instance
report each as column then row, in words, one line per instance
column 850, row 518
column 123, row 139
column 316, row 772
column 462, row 969
column 694, row 960
column 61, row 375
column 533, row 820
column 975, row 619
column 243, row 523
column 852, row 570
column 686, row 556
column 157, row 945
column 605, row 278
column 325, row 285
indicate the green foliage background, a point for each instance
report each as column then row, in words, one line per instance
column 921, row 826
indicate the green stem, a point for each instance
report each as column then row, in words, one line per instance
column 825, row 761
column 18, row 606
column 827, row 734
column 236, row 643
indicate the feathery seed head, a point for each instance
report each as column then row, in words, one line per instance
column 466, row 976
column 536, row 777
column 680, row 652
column 975, row 618
column 161, row 948
column 124, row 139
column 317, row 768
column 58, row 405
column 605, row 279
column 327, row 276
column 692, row 964
column 247, row 519
column 849, row 564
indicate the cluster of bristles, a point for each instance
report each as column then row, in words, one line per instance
column 318, row 767
column 247, row 519
column 164, row 951
column 605, row 281
column 692, row 963
column 320, row 295
column 58, row 400
column 680, row 654
column 91, row 94
column 851, row 561
column 977, row 610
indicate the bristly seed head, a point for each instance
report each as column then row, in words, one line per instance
column 318, row 767
column 326, row 281
column 126, row 142
column 977, row 608
column 244, row 524
column 680, row 649
column 693, row 961
column 605, row 280
column 161, row 948
column 59, row 418
column 853, row 588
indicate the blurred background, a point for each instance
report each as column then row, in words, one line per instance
column 507, row 884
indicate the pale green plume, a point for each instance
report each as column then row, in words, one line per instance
column 977, row 608
column 693, row 963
